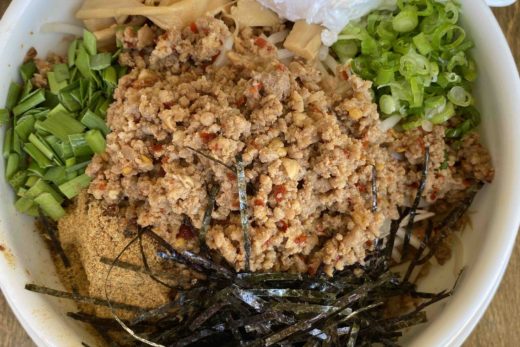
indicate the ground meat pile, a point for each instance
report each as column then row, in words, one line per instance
column 310, row 142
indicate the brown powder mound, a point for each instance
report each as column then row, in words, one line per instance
column 87, row 234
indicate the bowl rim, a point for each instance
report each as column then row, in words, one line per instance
column 461, row 323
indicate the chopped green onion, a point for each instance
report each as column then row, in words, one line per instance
column 50, row 206
column 100, row 61
column 56, row 175
column 90, row 42
column 61, row 72
column 422, row 43
column 18, row 179
column 459, row 96
column 4, row 116
column 447, row 113
column 61, row 126
column 387, row 104
column 28, row 70
column 73, row 187
column 75, row 167
column 92, row 121
column 54, row 85
column 79, row 145
column 24, row 127
column 23, row 204
column 35, row 169
column 95, row 140
column 31, row 181
column 8, row 142
column 41, row 145
column 41, row 187
column 83, row 63
column 13, row 95
column 37, row 155
column 13, row 162
column 405, row 21
column 71, row 53
column 110, row 76
column 31, row 101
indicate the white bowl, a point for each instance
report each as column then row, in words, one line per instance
column 487, row 247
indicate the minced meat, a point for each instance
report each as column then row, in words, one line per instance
column 309, row 143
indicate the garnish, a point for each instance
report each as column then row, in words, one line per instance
column 54, row 131
column 418, row 59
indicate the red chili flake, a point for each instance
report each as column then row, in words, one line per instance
column 168, row 105
column 231, row 176
column 347, row 153
column 157, row 147
column 241, row 101
column 102, row 185
column 207, row 137
column 164, row 160
column 259, row 202
column 361, row 187
column 194, row 28
column 205, row 31
column 261, row 42
column 279, row 193
column 186, row 232
column 368, row 244
column 281, row 67
column 345, row 75
column 414, row 185
column 433, row 195
column 300, row 239
column 282, row 225
column 2, row 248
column 236, row 204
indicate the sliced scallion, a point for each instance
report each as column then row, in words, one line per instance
column 96, row 141
column 73, row 187
column 50, row 206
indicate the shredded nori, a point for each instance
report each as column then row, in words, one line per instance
column 283, row 309
column 244, row 214
column 374, row 189
column 417, row 201
column 49, row 227
column 80, row 298
column 206, row 221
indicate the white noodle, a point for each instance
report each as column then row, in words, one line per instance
column 331, row 63
column 62, row 28
column 389, row 123
column 226, row 47
column 324, row 52
column 285, row 54
column 278, row 37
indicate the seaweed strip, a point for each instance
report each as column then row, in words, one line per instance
column 207, row 314
column 248, row 298
column 111, row 307
column 79, row 298
column 244, row 215
column 207, row 156
column 307, row 295
column 417, row 201
column 374, row 189
column 302, row 308
column 257, row 278
column 201, row 262
column 207, row 214
column 157, row 312
column 450, row 220
column 136, row 268
column 419, row 252
column 145, row 261
column 56, row 244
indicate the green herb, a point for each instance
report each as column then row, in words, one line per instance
column 413, row 54
column 15, row 90
column 54, row 131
